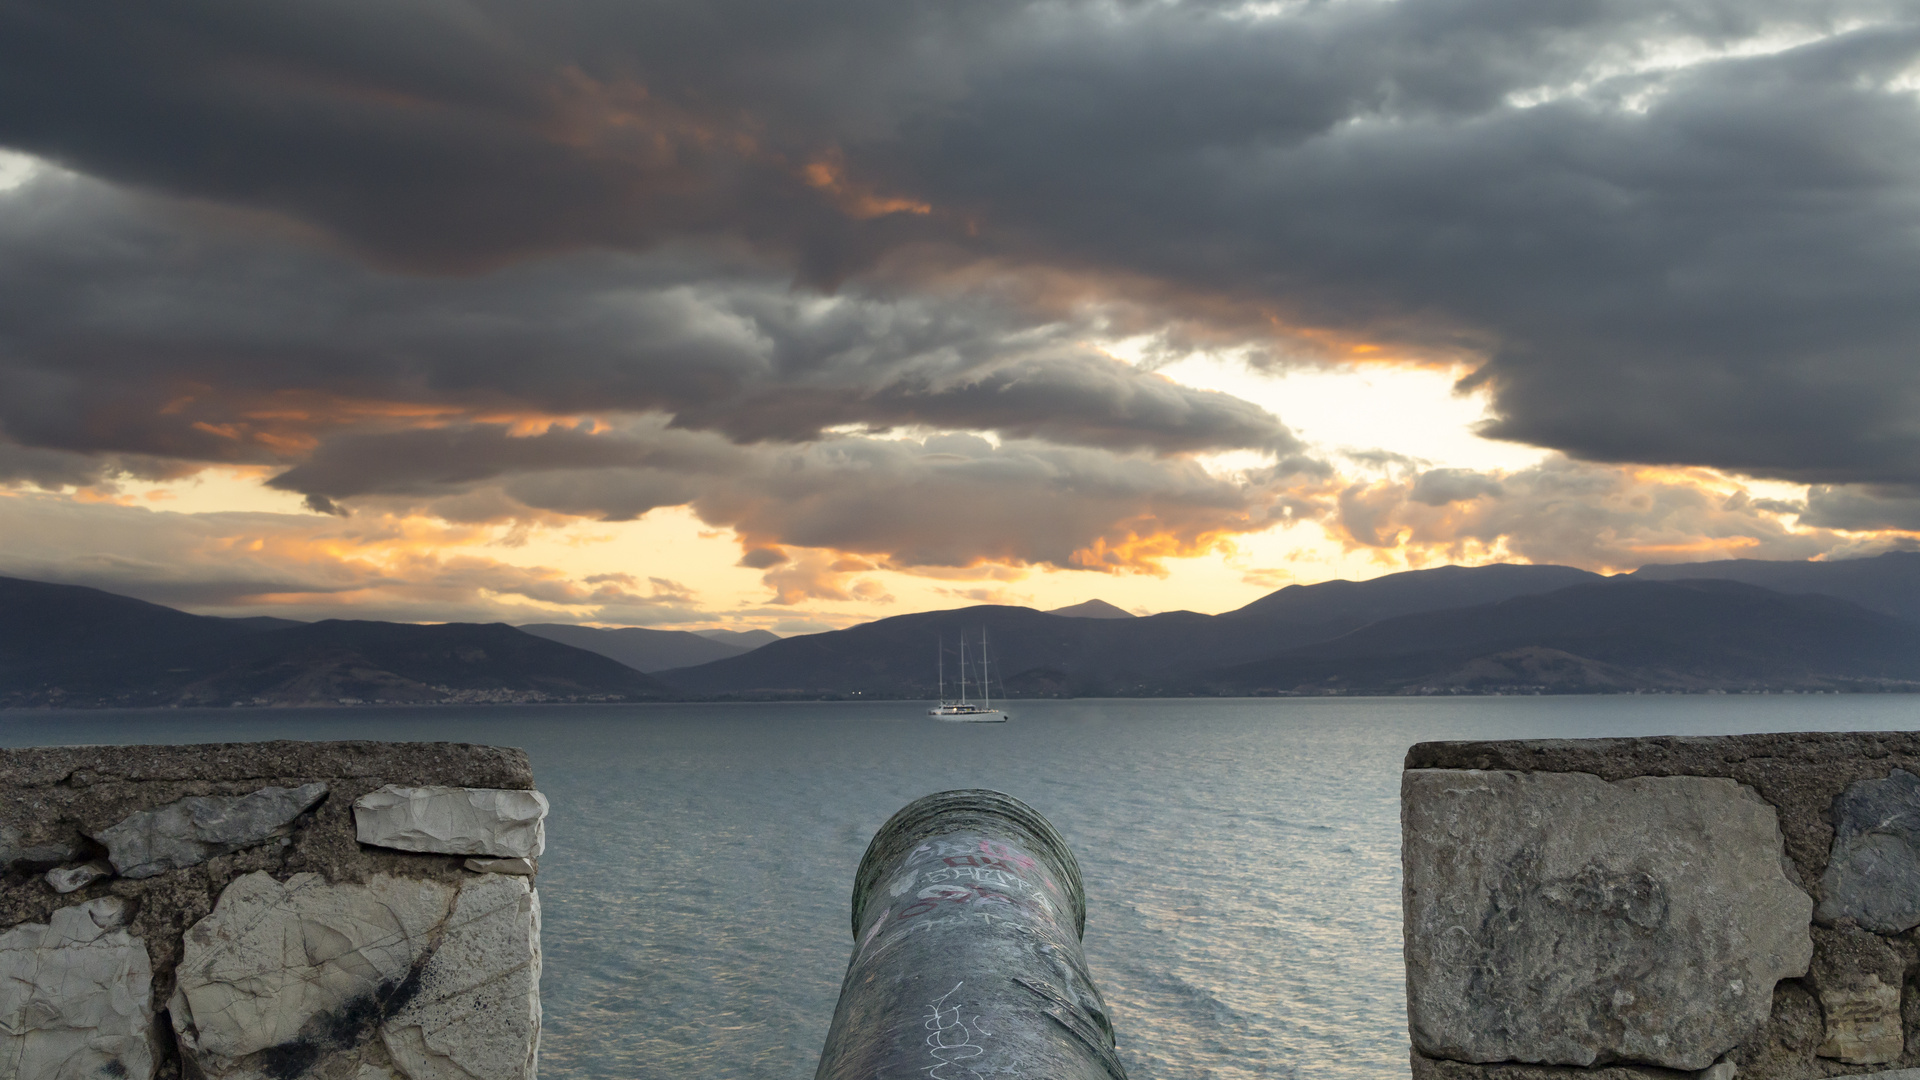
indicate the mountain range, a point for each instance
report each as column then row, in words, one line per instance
column 1730, row 626
column 652, row 650
column 73, row 646
column 1503, row 627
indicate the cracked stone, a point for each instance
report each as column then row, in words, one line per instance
column 271, row 959
column 76, row 997
column 192, row 830
column 74, row 878
column 1873, row 873
column 476, row 1015
column 398, row 978
column 522, row 867
column 499, row 822
column 1556, row 918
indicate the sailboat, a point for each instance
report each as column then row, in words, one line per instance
column 961, row 710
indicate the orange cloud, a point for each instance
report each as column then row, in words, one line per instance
column 823, row 575
column 828, row 173
column 1145, row 553
column 369, row 566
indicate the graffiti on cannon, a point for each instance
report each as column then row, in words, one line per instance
column 967, row 914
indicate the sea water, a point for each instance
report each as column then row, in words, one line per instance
column 1241, row 856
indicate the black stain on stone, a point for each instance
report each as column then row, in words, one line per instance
column 344, row 1028
column 289, row 1059
column 114, row 1069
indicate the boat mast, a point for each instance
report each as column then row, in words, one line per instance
column 963, row 668
column 940, row 666
column 986, row 682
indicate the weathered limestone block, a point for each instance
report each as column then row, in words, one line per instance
column 75, row 997
column 192, row 830
column 1557, row 918
column 382, row 980
column 1873, row 874
column 476, row 1013
column 271, row 959
column 500, row 822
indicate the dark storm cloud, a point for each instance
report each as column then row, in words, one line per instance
column 1667, row 257
column 130, row 325
column 1714, row 266
column 1862, row 508
column 432, row 134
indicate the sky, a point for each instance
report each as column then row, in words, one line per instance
column 744, row 314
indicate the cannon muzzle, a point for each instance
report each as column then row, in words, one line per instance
column 967, row 914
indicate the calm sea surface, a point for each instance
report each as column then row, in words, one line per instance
column 1241, row 857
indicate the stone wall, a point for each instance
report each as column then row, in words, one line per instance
column 1669, row 907
column 269, row 911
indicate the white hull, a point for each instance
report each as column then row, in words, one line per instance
column 967, row 714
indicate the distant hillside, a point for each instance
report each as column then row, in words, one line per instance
column 1889, row 583
column 1611, row 635
column 745, row 639
column 1092, row 609
column 637, row 647
column 1451, row 629
column 1343, row 605
column 73, row 646
column 265, row 622
column 1048, row 654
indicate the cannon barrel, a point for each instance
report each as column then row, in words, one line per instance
column 967, row 915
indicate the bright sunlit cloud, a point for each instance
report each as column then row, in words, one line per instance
column 1408, row 411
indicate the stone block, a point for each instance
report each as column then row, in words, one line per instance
column 400, row 977
column 1873, row 874
column 190, row 831
column 522, row 867
column 1862, row 1022
column 1557, row 918
column 502, row 823
column 68, row 879
column 76, row 997
column 53, row 799
column 15, row 848
column 476, row 1012
column 1857, row 978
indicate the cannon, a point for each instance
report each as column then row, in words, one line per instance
column 968, row 910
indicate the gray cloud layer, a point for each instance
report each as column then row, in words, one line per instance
column 127, row 325
column 947, row 500
column 1674, row 233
